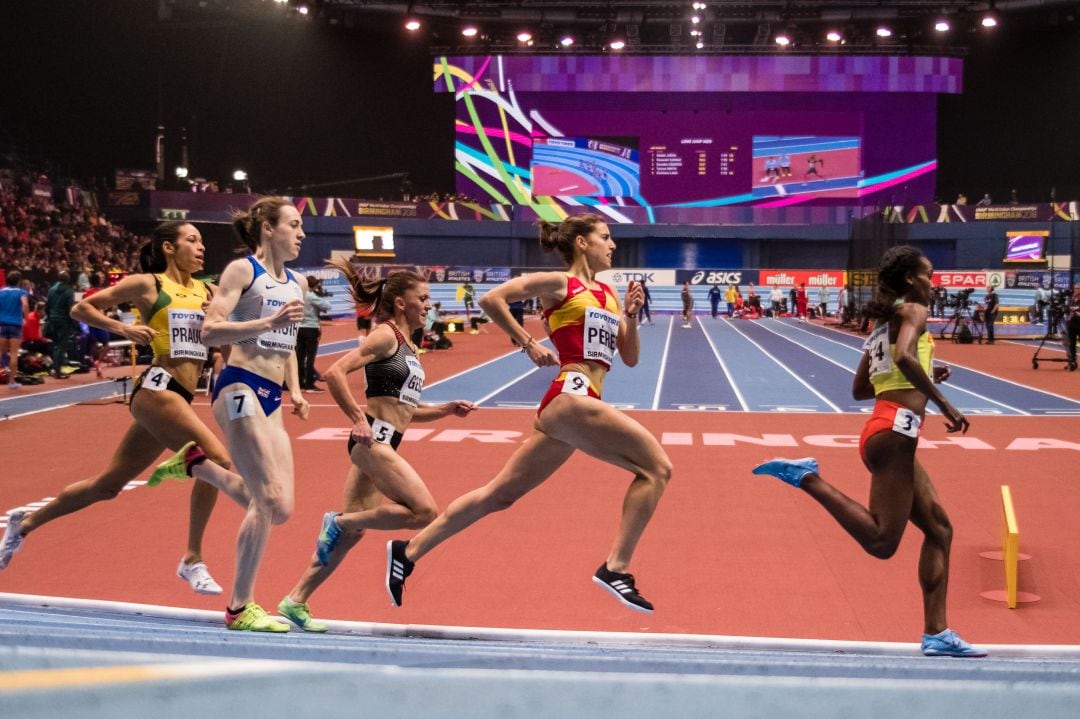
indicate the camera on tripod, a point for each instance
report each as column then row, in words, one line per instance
column 962, row 298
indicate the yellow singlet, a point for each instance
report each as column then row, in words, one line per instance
column 884, row 374
column 177, row 315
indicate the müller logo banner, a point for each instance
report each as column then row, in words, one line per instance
column 794, row 278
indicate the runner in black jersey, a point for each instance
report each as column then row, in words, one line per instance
column 382, row 491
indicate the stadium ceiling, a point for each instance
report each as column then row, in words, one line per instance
column 659, row 27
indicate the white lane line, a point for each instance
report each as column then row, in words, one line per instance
column 723, row 366
column 784, row 367
column 663, row 364
column 998, row 379
column 512, row 382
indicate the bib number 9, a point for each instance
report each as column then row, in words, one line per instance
column 575, row 383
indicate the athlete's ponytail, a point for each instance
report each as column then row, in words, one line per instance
column 152, row 256
column 376, row 298
column 561, row 237
column 248, row 225
column 897, row 265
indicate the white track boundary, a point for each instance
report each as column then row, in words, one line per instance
column 495, row 634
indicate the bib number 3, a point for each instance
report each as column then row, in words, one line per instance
column 906, row 423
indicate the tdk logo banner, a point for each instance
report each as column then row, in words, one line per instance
column 623, row 277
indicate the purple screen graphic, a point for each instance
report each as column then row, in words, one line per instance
column 1025, row 246
column 694, row 137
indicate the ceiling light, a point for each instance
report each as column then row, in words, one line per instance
column 700, row 44
column 989, row 21
column 942, row 25
column 412, row 25
column 566, row 41
column 695, row 19
column 883, row 32
column 524, row 36
column 783, row 40
column 469, row 31
column 302, row 9
column 617, row 44
column 833, row 36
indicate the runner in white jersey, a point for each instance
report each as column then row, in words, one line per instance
column 257, row 309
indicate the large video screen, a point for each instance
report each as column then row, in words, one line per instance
column 585, row 167
column 806, row 165
column 541, row 130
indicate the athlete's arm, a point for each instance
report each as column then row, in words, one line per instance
column 138, row 290
column 378, row 345
column 861, row 387
column 912, row 325
column 628, row 341
column 550, row 287
column 218, row 330
column 432, row 412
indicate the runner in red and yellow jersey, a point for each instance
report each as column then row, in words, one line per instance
column 587, row 327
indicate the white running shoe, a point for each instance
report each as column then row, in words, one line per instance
column 13, row 538
column 198, row 577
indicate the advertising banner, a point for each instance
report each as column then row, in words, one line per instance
column 716, row 277
column 1030, row 279
column 461, row 274
column 969, row 278
column 623, row 277
column 794, row 278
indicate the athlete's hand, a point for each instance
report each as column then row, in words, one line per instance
column 954, row 420
column 139, row 334
column 634, row 298
column 289, row 314
column 460, row 408
column 541, row 356
column 300, row 406
column 942, row 372
column 361, row 432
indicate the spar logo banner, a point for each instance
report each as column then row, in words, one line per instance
column 794, row 278
column 716, row 277
column 969, row 278
column 623, row 277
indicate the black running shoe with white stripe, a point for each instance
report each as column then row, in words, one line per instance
column 398, row 567
column 623, row 589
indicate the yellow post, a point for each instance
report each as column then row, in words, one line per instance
column 1010, row 544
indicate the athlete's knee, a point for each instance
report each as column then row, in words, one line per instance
column 276, row 507
column 423, row 515
column 883, row 546
column 661, row 473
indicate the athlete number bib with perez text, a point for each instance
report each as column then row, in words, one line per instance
column 601, row 331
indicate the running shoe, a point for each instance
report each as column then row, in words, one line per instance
column 253, row 618
column 398, row 567
column 14, row 385
column 299, row 613
column 949, row 644
column 328, row 537
column 622, row 588
column 791, row 471
column 13, row 537
column 198, row 577
column 177, row 466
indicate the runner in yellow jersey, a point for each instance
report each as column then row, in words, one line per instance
column 172, row 301
column 897, row 370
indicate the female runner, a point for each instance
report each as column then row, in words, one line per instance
column 587, row 326
column 257, row 310
column 172, row 303
column 896, row 369
column 394, row 380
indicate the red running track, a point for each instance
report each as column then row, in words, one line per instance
column 727, row 553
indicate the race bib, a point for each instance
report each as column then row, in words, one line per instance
column 240, row 403
column 157, row 379
column 382, row 432
column 185, row 334
column 575, row 383
column 877, row 344
column 601, row 331
column 414, row 383
column 906, row 423
column 279, row 340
